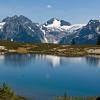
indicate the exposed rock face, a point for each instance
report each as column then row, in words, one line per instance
column 90, row 33
column 21, row 29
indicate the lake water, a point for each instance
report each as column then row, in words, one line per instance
column 43, row 76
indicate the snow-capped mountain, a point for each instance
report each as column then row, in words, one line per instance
column 54, row 22
column 22, row 29
column 55, row 30
column 90, row 33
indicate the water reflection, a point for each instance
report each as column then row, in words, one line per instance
column 50, row 75
column 18, row 60
column 54, row 61
column 93, row 61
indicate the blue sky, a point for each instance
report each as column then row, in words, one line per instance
column 74, row 11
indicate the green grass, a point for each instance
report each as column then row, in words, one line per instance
column 76, row 98
column 6, row 93
column 66, row 97
column 50, row 49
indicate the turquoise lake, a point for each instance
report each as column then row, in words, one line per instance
column 43, row 77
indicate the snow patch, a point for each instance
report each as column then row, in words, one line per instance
column 55, row 42
column 31, row 29
column 2, row 24
column 73, row 27
column 98, row 30
column 12, row 40
column 46, row 41
column 90, row 36
column 55, row 24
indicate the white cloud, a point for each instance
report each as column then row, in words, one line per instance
column 49, row 6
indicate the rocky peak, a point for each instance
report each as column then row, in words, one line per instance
column 93, row 23
column 57, row 22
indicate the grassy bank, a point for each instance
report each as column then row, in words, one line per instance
column 77, row 98
column 51, row 49
column 6, row 93
column 66, row 97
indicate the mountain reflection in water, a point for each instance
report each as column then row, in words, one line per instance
column 18, row 60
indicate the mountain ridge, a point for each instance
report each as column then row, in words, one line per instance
column 22, row 29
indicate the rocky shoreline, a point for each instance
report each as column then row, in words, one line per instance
column 49, row 49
